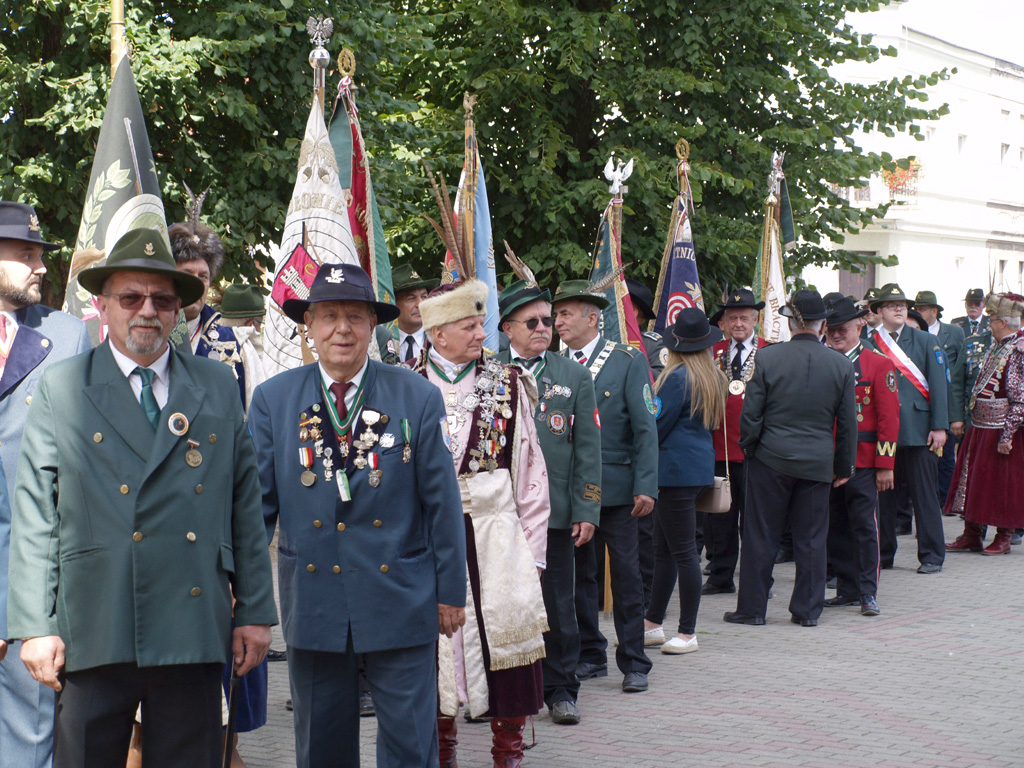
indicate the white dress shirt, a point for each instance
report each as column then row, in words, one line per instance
column 161, row 377
column 588, row 351
column 355, row 381
column 516, row 356
column 934, row 328
column 418, row 339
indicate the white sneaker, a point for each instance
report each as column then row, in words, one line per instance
column 653, row 637
column 677, row 645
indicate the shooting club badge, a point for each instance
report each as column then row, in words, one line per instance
column 556, row 422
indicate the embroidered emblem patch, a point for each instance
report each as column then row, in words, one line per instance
column 938, row 356
column 556, row 422
column 445, row 434
column 649, row 400
column 337, row 275
column 890, row 380
column 592, row 492
column 663, row 356
column 657, row 406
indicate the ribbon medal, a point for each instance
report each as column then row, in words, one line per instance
column 407, row 436
column 375, row 474
column 306, row 459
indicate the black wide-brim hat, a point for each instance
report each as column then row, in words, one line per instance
column 741, row 298
column 340, row 282
column 807, row 302
column 642, row 297
column 843, row 310
column 143, row 250
column 20, row 222
column 691, row 332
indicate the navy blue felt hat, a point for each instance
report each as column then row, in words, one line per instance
column 19, row 222
column 341, row 282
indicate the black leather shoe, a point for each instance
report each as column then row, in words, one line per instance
column 832, row 583
column 288, row 705
column 564, row 713
column 735, row 617
column 585, row 670
column 886, row 566
column 868, row 606
column 929, row 568
column 273, row 655
column 839, row 601
column 366, row 704
column 707, row 570
column 634, row 682
column 718, row 589
column 803, row 622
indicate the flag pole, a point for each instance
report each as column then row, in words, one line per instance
column 319, row 30
column 117, row 38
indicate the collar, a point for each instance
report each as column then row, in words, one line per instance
column 160, row 366
column 451, row 370
column 747, row 344
column 355, row 380
column 588, row 349
column 934, row 328
column 417, row 336
column 853, row 353
column 899, row 331
column 514, row 353
column 12, row 322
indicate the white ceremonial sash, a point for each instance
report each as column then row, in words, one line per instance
column 906, row 366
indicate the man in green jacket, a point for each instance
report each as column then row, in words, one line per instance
column 137, row 519
column 629, row 482
column 570, row 440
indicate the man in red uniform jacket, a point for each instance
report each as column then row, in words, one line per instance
column 735, row 355
column 853, row 508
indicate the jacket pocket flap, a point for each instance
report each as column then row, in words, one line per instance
column 616, row 457
column 227, row 558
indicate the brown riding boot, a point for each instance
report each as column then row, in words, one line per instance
column 1001, row 543
column 135, row 748
column 507, row 737
column 968, row 541
column 447, row 741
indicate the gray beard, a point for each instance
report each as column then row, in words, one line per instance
column 138, row 348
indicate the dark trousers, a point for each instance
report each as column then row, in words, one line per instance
column 773, row 499
column 325, row 694
column 620, row 535
column 675, row 554
column 947, row 462
column 181, row 716
column 722, row 531
column 562, row 640
column 853, row 535
column 915, row 476
column 645, row 544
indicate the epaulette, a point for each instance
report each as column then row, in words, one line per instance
column 880, row 354
column 628, row 349
column 652, row 335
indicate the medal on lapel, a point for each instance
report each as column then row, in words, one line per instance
column 308, row 477
column 375, row 474
column 407, row 436
column 192, row 456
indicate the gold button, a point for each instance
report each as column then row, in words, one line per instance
column 124, row 489
column 28, row 400
column 199, row 488
column 310, row 567
column 383, row 569
column 190, row 536
column 341, row 526
column 336, row 569
column 137, row 536
column 195, row 592
column 607, row 394
column 213, row 439
column 98, row 437
column 45, row 343
column 317, row 523
column 377, row 523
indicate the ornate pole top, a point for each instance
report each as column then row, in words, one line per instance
column 776, row 176
column 617, row 174
column 319, row 30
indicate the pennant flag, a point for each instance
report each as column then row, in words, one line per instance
column 318, row 220
column 123, row 193
column 607, row 277
column 678, row 282
column 295, row 277
column 769, row 277
column 346, row 136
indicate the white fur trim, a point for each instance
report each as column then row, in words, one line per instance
column 468, row 300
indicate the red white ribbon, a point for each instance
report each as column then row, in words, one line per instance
column 900, row 359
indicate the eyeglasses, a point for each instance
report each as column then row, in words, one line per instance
column 533, row 322
column 891, row 305
column 162, row 302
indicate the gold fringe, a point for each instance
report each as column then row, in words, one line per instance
column 518, row 660
column 518, row 634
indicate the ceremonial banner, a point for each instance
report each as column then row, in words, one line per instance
column 678, row 283
column 346, row 135
column 318, row 210
column 769, row 276
column 123, row 193
column 607, row 277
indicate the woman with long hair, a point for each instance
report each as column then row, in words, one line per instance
column 692, row 393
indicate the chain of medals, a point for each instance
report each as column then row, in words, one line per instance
column 490, row 399
column 598, row 364
column 992, row 368
column 738, row 386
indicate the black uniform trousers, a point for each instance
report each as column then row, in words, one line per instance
column 773, row 499
column 915, row 477
column 181, row 716
column 853, row 535
column 722, row 531
column 645, row 534
column 947, row 462
column 619, row 530
column 562, row 640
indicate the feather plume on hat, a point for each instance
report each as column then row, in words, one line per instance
column 519, row 267
column 451, row 231
column 601, row 286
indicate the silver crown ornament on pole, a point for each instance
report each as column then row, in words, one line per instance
column 319, row 30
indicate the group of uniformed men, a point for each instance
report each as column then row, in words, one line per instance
column 143, row 501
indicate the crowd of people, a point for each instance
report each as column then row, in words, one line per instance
column 443, row 513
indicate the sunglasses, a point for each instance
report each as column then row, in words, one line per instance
column 162, row 302
column 533, row 322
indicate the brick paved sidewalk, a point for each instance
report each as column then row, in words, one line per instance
column 934, row 682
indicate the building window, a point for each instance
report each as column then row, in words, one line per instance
column 1006, row 114
column 1004, row 150
column 1001, row 274
column 961, row 142
column 862, row 194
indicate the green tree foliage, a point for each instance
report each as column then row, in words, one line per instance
column 561, row 86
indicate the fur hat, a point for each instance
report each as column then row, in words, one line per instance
column 1004, row 305
column 454, row 301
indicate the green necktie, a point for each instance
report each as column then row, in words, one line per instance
column 147, row 398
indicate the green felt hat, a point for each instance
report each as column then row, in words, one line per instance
column 927, row 299
column 405, row 278
column 143, row 250
column 518, row 294
column 241, row 301
column 975, row 294
column 579, row 290
column 890, row 292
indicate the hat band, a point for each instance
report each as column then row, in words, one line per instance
column 532, row 293
column 19, row 232
column 690, row 339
